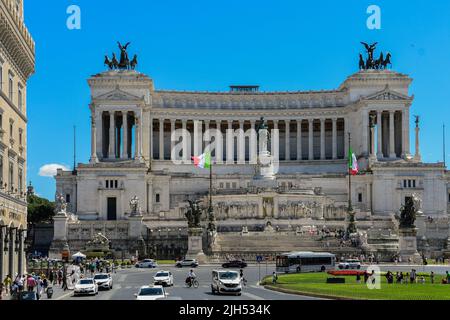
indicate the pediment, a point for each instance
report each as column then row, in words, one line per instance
column 118, row 95
column 388, row 95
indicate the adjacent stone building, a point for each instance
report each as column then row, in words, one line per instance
column 139, row 135
column 17, row 60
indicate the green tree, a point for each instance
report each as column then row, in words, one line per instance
column 40, row 210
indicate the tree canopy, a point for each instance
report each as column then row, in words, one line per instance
column 40, row 210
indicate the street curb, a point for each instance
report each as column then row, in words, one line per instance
column 308, row 294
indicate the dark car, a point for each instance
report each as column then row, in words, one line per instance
column 235, row 264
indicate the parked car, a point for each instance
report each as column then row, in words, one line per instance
column 147, row 263
column 164, row 278
column 151, row 293
column 350, row 264
column 104, row 281
column 187, row 263
column 226, row 281
column 234, row 264
column 85, row 286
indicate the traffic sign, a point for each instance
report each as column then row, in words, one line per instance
column 259, row 259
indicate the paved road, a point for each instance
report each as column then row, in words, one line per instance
column 128, row 281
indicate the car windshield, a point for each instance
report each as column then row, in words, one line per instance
column 228, row 275
column 85, row 281
column 150, row 292
column 162, row 274
column 100, row 276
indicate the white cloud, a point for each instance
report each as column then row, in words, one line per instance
column 49, row 170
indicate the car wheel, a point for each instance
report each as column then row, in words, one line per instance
column 358, row 267
column 340, row 267
column 298, row 269
column 346, row 267
column 322, row 269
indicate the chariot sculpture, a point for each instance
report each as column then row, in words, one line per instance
column 124, row 63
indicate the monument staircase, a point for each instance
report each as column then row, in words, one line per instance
column 248, row 246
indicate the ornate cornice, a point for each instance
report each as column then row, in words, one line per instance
column 16, row 41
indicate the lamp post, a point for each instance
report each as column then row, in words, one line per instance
column 351, row 228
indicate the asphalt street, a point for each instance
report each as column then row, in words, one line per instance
column 128, row 281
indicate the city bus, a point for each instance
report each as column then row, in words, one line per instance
column 296, row 262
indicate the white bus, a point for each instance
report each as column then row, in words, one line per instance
column 296, row 262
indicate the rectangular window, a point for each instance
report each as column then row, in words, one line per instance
column 1, row 120
column 157, row 198
column 11, row 129
column 414, row 183
column 404, row 184
column 68, row 198
column 359, row 197
column 19, row 98
column 11, row 176
column 107, row 184
column 116, row 182
column 11, row 87
column 19, row 181
column 20, row 136
column 449, row 197
column 409, row 183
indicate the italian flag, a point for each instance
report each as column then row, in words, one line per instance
column 203, row 161
column 352, row 162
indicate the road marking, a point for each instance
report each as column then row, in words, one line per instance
column 64, row 296
column 252, row 296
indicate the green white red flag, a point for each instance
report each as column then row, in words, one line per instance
column 352, row 163
column 203, row 161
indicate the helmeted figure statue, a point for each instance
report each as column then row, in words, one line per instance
column 193, row 214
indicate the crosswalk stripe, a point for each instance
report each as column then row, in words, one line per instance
column 252, row 296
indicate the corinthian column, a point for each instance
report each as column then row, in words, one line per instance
column 161, row 139
column 253, row 150
column 391, row 136
column 379, row 134
column 241, row 143
column 186, row 152
column 93, row 140
column 310, row 139
column 112, row 138
column 334, row 133
column 322, row 139
column 125, row 135
column 287, row 133
column 230, row 146
column 299, row 140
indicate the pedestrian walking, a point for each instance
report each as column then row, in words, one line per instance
column 274, row 277
column 432, row 277
column 7, row 283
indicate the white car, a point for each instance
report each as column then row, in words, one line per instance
column 164, row 278
column 151, row 293
column 147, row 263
column 226, row 281
column 187, row 263
column 85, row 286
column 350, row 264
column 104, row 281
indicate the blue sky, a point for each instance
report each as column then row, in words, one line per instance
column 208, row 45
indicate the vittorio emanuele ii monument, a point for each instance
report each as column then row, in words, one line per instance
column 278, row 177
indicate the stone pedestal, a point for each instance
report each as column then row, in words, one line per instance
column 59, row 243
column 407, row 248
column 136, row 242
column 195, row 245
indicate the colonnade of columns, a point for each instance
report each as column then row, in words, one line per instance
column 392, row 136
column 11, row 251
column 114, row 135
column 307, row 139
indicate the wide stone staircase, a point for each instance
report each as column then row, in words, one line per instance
column 250, row 245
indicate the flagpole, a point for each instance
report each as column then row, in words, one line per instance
column 351, row 228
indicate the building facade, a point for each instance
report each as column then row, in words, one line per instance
column 142, row 141
column 17, row 61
